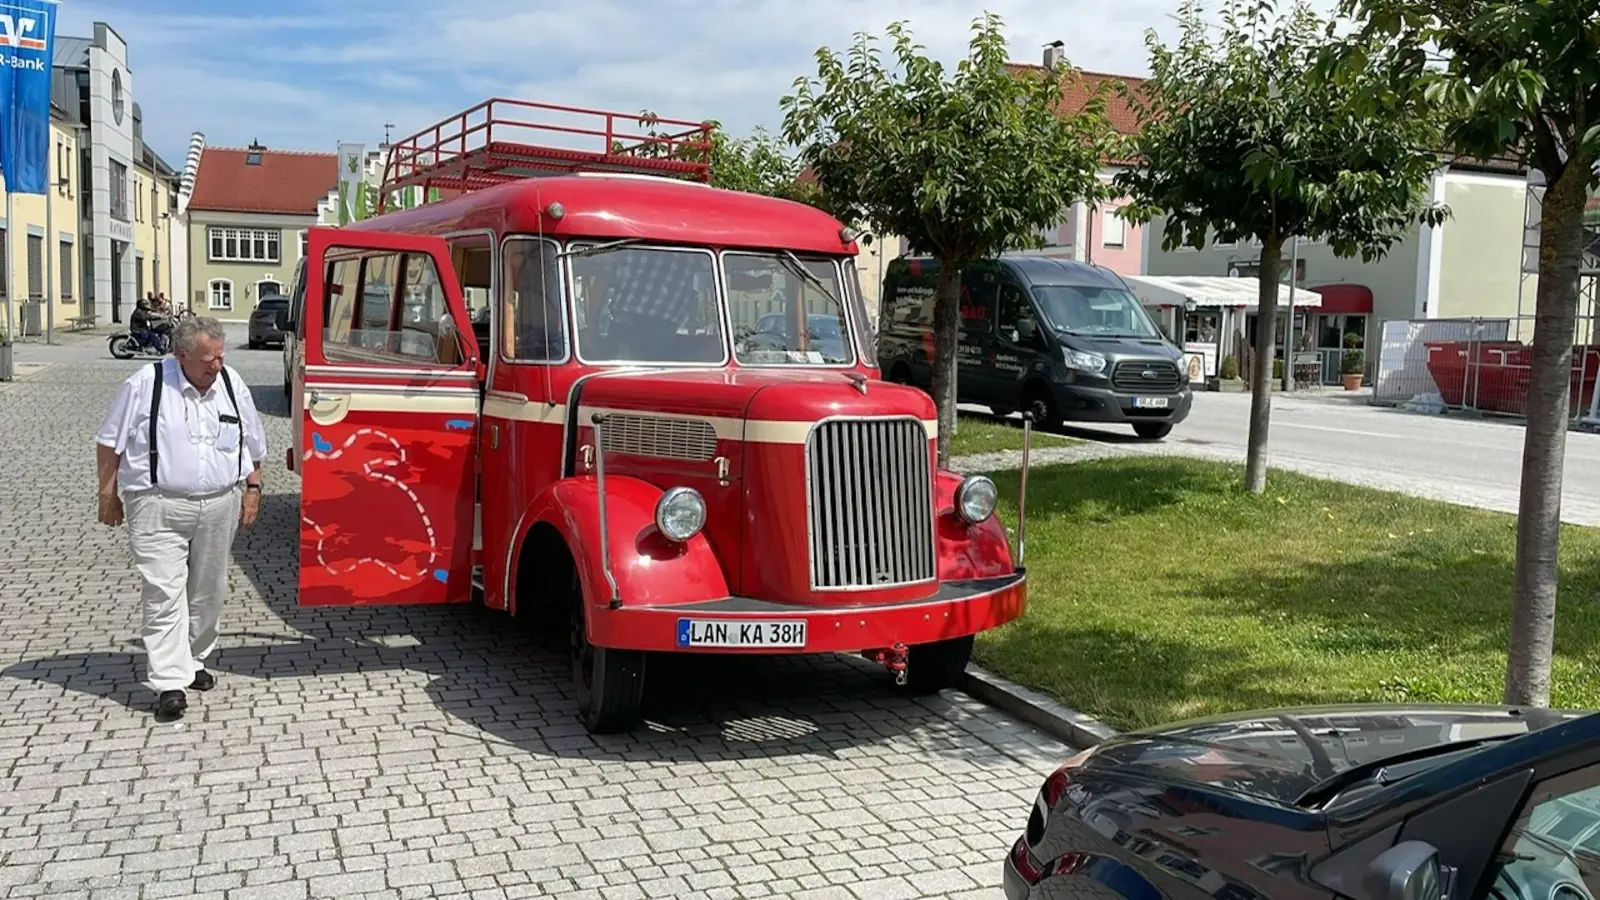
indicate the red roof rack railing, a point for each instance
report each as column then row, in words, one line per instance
column 502, row 140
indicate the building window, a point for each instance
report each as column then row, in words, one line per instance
column 138, row 278
column 268, row 288
column 63, row 167
column 138, row 193
column 35, row 267
column 66, row 272
column 303, row 238
column 220, row 294
column 5, row 263
column 119, row 190
column 243, row 244
column 1114, row 229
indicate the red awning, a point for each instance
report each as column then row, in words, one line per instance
column 1345, row 299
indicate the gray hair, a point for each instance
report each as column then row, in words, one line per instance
column 191, row 329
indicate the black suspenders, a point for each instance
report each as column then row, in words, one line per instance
column 155, row 416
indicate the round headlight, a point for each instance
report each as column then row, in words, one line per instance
column 975, row 499
column 681, row 513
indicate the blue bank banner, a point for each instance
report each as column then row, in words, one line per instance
column 27, row 52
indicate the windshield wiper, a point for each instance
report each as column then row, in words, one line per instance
column 799, row 268
column 598, row 248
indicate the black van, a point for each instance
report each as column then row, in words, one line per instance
column 1066, row 340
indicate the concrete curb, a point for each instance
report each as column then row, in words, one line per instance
column 1073, row 727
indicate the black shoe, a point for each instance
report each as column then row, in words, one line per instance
column 170, row 705
column 203, row 681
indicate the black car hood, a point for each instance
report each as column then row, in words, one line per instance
column 1279, row 754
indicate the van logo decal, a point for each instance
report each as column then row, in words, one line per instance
column 1149, row 373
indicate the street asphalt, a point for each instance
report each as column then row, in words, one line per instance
column 1452, row 457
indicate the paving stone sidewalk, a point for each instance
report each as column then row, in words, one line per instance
column 416, row 752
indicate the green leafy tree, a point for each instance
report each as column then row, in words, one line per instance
column 1520, row 78
column 964, row 165
column 757, row 164
column 1243, row 137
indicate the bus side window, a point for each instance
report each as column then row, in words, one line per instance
column 472, row 257
column 533, row 319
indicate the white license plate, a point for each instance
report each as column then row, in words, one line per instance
column 1150, row 402
column 741, row 633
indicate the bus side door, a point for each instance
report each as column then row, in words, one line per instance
column 388, row 417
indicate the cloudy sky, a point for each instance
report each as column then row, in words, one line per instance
column 305, row 74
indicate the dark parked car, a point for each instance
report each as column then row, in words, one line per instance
column 264, row 321
column 1434, row 802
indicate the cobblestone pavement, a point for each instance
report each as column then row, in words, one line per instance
column 415, row 752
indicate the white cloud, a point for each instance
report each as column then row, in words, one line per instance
column 341, row 70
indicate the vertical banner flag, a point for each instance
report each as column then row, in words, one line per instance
column 27, row 50
column 352, row 184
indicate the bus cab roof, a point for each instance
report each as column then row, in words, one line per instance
column 607, row 207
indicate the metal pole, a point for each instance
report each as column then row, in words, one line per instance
column 1022, row 488
column 50, row 251
column 1288, row 323
column 11, row 233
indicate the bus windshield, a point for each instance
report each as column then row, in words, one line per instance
column 635, row 304
column 780, row 317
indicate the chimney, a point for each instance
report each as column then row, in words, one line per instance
column 1054, row 53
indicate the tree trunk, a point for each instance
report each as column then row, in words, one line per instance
column 1533, row 605
column 1255, row 467
column 946, row 333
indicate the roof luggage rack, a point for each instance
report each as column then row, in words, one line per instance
column 502, row 140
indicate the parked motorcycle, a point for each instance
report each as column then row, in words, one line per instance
column 144, row 342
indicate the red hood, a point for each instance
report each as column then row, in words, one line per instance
column 761, row 394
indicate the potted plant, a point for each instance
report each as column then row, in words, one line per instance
column 1353, row 364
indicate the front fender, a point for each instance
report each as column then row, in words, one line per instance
column 649, row 569
column 967, row 551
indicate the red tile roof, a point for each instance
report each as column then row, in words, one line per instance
column 286, row 181
column 1075, row 94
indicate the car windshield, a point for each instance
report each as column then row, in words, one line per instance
column 1101, row 311
column 768, row 298
column 635, row 304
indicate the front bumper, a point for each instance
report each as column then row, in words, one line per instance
column 958, row 609
column 1080, row 403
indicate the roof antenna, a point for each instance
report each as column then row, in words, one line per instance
column 387, row 128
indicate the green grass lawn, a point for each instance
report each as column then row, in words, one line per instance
column 1160, row 590
column 980, row 434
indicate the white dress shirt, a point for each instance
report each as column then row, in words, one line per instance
column 200, row 454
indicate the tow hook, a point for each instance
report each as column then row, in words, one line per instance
column 894, row 659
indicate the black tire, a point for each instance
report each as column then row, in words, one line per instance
column 900, row 374
column 1152, row 431
column 1043, row 406
column 931, row 668
column 610, row 683
column 252, row 344
column 121, row 346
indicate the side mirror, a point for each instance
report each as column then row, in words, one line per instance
column 281, row 320
column 1026, row 329
column 1407, row 871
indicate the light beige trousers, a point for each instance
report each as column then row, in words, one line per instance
column 181, row 547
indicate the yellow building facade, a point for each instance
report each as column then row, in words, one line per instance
column 41, row 279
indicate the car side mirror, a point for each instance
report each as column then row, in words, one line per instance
column 1026, row 329
column 1407, row 871
column 281, row 320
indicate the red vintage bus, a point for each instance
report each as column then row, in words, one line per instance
column 589, row 388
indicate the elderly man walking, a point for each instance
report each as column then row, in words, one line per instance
column 179, row 459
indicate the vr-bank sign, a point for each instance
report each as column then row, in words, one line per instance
column 22, row 41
